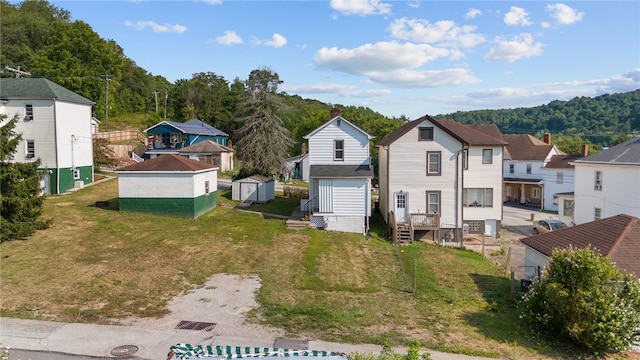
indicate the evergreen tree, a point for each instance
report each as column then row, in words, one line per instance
column 20, row 194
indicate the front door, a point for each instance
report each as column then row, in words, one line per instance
column 401, row 207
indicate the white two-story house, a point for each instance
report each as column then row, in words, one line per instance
column 530, row 175
column 340, row 176
column 440, row 175
column 608, row 183
column 55, row 124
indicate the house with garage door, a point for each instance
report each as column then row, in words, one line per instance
column 55, row 124
column 340, row 174
column 168, row 185
column 437, row 175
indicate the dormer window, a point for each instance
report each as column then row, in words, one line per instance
column 338, row 150
column 28, row 112
column 425, row 134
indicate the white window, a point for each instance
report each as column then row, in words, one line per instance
column 487, row 156
column 568, row 208
column 425, row 134
column 28, row 112
column 433, row 202
column 433, row 163
column 528, row 168
column 401, row 201
column 511, row 168
column 480, row 197
column 338, row 150
column 507, row 190
column 597, row 182
column 560, row 177
column 597, row 213
column 31, row 149
column 535, row 193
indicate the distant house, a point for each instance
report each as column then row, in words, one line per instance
column 170, row 136
column 608, row 183
column 211, row 153
column 616, row 237
column 440, row 175
column 55, row 124
column 340, row 174
column 535, row 170
column 255, row 188
column 297, row 167
column 168, row 185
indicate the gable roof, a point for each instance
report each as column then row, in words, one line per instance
column 616, row 237
column 487, row 134
column 193, row 126
column 562, row 161
column 319, row 128
column 527, row 147
column 168, row 163
column 38, row 89
column 626, row 153
column 206, row 146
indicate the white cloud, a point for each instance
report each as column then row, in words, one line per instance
column 277, row 41
column 563, row 14
column 213, row 2
column 155, row 27
column 360, row 7
column 229, row 38
column 348, row 91
column 517, row 16
column 408, row 78
column 443, row 32
column 517, row 48
column 472, row 13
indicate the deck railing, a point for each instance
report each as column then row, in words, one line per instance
column 424, row 221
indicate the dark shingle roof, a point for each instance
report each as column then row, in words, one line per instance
column 193, row 126
column 38, row 89
column 527, row 147
column 168, row 163
column 206, row 146
column 626, row 153
column 340, row 171
column 487, row 134
column 561, row 161
column 616, row 237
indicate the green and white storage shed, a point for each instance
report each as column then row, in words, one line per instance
column 168, row 185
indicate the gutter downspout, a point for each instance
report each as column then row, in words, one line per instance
column 462, row 199
column 55, row 136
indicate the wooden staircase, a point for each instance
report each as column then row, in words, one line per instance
column 403, row 234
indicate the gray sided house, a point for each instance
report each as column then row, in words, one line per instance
column 210, row 152
column 170, row 136
column 168, row 185
column 254, row 188
column 55, row 124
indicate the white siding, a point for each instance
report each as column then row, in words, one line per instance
column 383, row 185
column 40, row 129
column 532, row 260
column 325, row 196
column 199, row 180
column 551, row 185
column 620, row 192
column 350, row 197
column 73, row 121
column 155, row 185
column 481, row 175
column 321, row 145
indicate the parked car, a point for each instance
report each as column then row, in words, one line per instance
column 544, row 226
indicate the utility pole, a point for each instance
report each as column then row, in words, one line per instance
column 166, row 96
column 106, row 110
column 155, row 93
column 17, row 71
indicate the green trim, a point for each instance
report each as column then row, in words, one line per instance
column 66, row 178
column 186, row 207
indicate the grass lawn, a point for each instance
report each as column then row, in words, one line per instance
column 100, row 265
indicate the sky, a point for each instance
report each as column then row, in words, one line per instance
column 398, row 58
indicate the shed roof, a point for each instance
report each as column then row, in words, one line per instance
column 168, row 162
column 616, row 237
column 626, row 153
column 38, row 89
column 206, row 146
column 193, row 126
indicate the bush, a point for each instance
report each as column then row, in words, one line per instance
column 583, row 297
column 295, row 192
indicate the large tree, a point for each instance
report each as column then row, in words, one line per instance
column 20, row 193
column 263, row 140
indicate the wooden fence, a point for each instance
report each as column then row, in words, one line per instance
column 122, row 135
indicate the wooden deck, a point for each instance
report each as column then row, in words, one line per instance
column 404, row 232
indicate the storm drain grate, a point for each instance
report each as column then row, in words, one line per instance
column 195, row 325
column 124, row 351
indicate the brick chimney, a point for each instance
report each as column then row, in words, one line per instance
column 547, row 138
column 585, row 150
column 229, row 144
column 334, row 112
column 304, row 148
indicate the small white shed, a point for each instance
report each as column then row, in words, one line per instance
column 256, row 188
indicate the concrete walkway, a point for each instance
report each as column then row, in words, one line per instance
column 101, row 340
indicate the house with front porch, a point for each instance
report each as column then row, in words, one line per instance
column 167, row 137
column 56, row 127
column 340, row 174
column 608, row 183
column 530, row 175
column 437, row 175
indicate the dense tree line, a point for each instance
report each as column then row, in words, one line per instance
column 600, row 119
